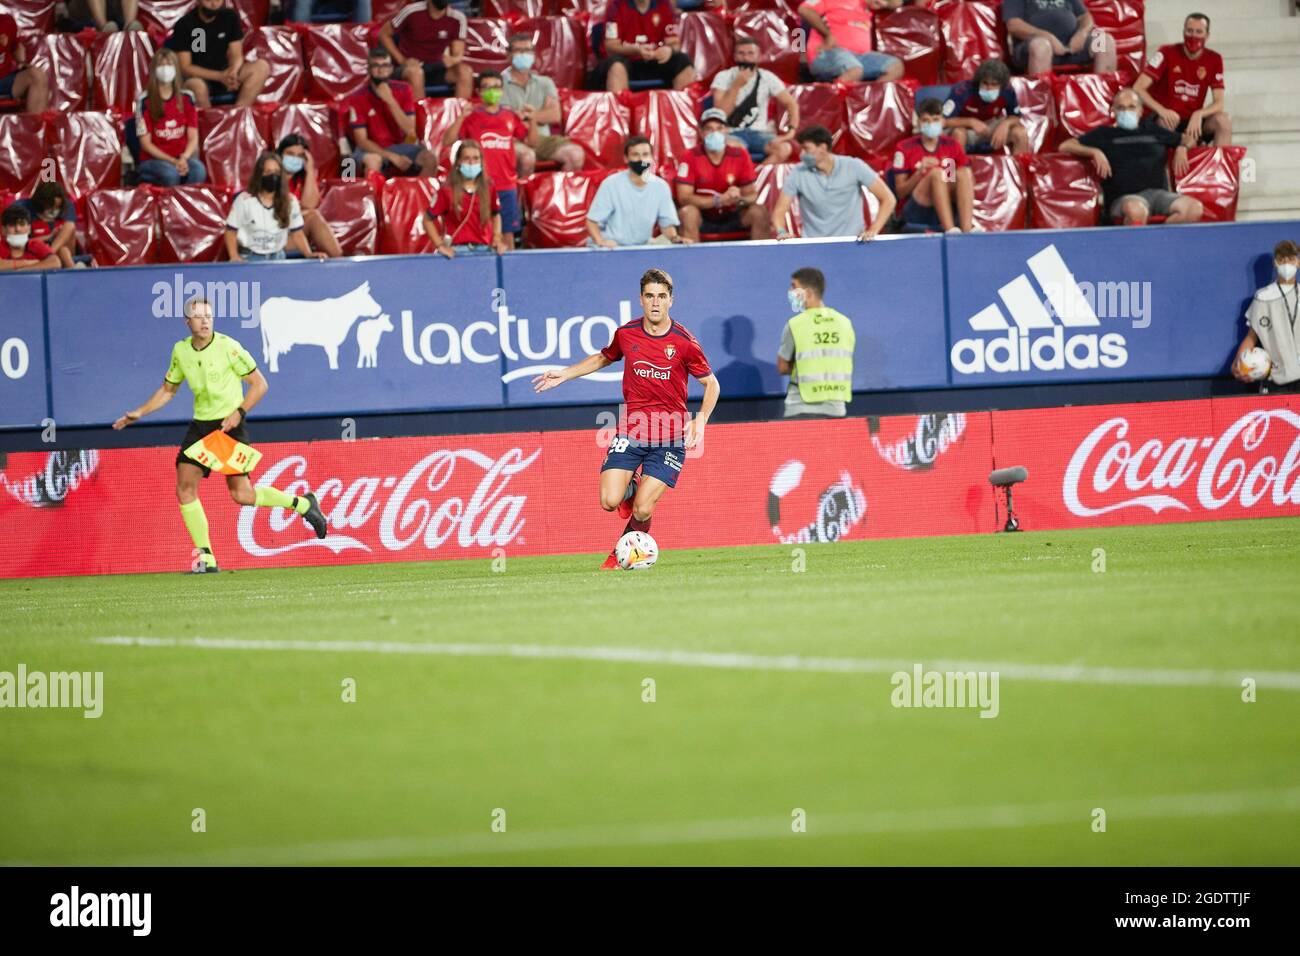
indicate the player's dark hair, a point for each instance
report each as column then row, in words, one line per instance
column 15, row 214
column 487, row 75
column 929, row 107
column 1197, row 16
column 47, row 194
column 1286, row 249
column 743, row 40
column 633, row 141
column 520, row 38
column 810, row 278
column 483, row 187
column 659, row 276
column 379, row 52
column 817, row 135
column 292, row 139
column 992, row 71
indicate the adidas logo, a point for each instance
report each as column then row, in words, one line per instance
column 1037, row 341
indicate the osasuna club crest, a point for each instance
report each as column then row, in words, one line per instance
column 670, row 351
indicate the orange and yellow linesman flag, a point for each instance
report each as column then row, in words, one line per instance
column 218, row 451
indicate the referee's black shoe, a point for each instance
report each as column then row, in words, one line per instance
column 314, row 516
column 206, row 563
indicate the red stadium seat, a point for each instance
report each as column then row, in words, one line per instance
column 22, row 150
column 120, row 68
column 530, row 9
column 707, row 40
column 1064, row 193
column 775, row 34
column 163, row 14
column 557, row 205
column 1001, row 193
column 64, row 59
column 281, row 48
column 336, row 57
column 771, row 177
column 7, row 198
column 1083, row 102
column 820, row 104
column 403, row 203
column 1037, row 107
column 434, row 116
column 381, row 11
column 230, row 137
column 87, row 148
column 34, row 17
column 597, row 122
column 1214, row 177
column 668, row 118
column 485, row 44
column 915, row 36
column 122, row 226
column 790, row 7
column 1124, row 21
column 349, row 208
column 193, row 221
column 253, row 15
column 315, row 122
column 972, row 33
column 878, row 116
column 561, row 47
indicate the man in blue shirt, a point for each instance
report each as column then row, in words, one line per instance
column 629, row 204
column 829, row 189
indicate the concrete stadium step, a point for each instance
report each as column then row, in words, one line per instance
column 1272, row 37
column 1219, row 11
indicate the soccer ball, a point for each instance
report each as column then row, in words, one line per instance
column 1256, row 364
column 636, row 551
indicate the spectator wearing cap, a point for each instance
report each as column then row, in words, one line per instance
column 167, row 126
column 22, row 253
column 983, row 113
column 20, row 80
column 629, row 204
column 716, row 190
column 427, row 40
column 1174, row 83
column 53, row 220
column 303, row 184
column 530, row 94
column 1271, row 320
column 840, row 43
column 932, row 173
column 1047, row 33
column 642, row 42
column 829, row 189
column 381, row 121
column 209, row 40
column 743, row 93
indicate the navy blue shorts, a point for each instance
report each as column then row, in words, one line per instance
column 918, row 215
column 7, row 84
column 662, row 461
column 509, row 199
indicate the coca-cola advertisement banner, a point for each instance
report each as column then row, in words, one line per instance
column 23, row 398
column 415, row 499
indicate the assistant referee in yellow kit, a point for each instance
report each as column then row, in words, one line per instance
column 216, row 367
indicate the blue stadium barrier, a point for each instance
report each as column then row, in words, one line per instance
column 1041, row 308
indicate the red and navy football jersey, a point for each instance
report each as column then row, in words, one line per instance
column 655, row 369
column 964, row 102
column 909, row 153
column 1180, row 82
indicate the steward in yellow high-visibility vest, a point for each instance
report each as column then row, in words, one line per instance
column 816, row 351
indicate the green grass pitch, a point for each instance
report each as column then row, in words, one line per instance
column 1120, row 690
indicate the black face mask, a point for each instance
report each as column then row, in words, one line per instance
column 746, row 66
column 271, row 182
column 638, row 166
column 207, row 15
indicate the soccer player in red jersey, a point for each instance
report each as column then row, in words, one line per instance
column 929, row 170
column 1174, row 83
column 658, row 354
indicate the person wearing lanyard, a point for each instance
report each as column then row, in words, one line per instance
column 1271, row 318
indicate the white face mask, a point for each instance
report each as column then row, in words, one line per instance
column 1286, row 271
column 17, row 240
column 165, row 73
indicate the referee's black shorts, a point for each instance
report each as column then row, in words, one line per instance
column 639, row 69
column 197, row 430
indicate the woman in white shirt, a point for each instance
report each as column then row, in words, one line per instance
column 266, row 217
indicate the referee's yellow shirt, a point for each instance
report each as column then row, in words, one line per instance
column 214, row 374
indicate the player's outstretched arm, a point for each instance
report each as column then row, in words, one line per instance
column 550, row 379
column 157, row 400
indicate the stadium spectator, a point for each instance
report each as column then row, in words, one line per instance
column 828, row 188
column 528, row 93
column 468, row 206
column 167, row 126
column 302, row 11
column 716, row 189
column 642, row 42
column 427, row 40
column 18, row 79
column 22, row 252
column 816, row 351
column 743, row 92
column 1174, row 83
column 496, row 130
column 1047, row 33
column 1271, row 321
column 1130, row 160
column 304, row 185
column 381, row 119
column 210, row 43
column 983, row 113
column 266, row 217
column 932, row 173
column 628, row 205
column 106, row 16
column 840, row 42
column 53, row 220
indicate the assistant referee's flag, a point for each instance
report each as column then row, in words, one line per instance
column 218, row 451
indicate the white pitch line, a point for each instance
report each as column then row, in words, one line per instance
column 1051, row 673
column 944, row 819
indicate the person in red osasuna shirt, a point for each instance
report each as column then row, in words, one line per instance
column 468, row 206
column 427, row 40
column 167, row 126
column 21, row 252
column 932, row 173
column 717, row 188
column 381, row 121
column 642, row 41
column 1175, row 80
column 20, row 80
column 658, row 355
